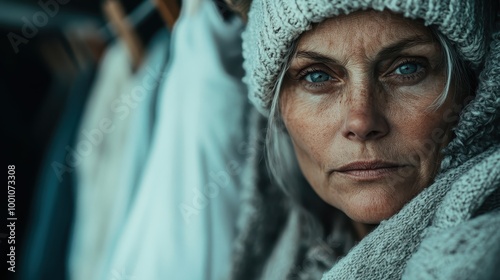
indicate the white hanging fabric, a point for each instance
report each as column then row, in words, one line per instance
column 112, row 146
column 183, row 219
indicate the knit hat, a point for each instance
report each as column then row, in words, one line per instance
column 273, row 25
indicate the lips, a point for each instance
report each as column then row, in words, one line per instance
column 367, row 165
column 369, row 170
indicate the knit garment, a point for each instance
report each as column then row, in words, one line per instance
column 274, row 25
column 448, row 231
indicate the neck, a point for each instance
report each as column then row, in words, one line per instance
column 362, row 230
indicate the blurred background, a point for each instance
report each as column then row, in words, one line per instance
column 46, row 49
column 84, row 96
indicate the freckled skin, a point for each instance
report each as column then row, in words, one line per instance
column 365, row 113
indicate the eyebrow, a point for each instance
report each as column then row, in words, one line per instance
column 388, row 51
column 316, row 57
column 403, row 44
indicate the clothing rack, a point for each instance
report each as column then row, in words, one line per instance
column 169, row 10
column 125, row 26
column 138, row 15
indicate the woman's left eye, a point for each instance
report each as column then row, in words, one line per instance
column 408, row 68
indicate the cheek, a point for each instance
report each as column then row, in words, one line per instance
column 438, row 130
column 424, row 137
column 310, row 128
column 414, row 116
column 423, row 133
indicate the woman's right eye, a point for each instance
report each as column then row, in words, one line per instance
column 317, row 77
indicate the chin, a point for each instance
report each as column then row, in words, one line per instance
column 372, row 218
column 372, row 210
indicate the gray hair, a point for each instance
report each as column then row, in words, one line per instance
column 280, row 156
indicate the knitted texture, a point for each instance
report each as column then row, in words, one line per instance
column 274, row 25
column 449, row 230
column 467, row 251
column 472, row 135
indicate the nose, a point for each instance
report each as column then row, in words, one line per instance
column 365, row 119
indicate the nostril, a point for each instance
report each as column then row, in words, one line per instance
column 364, row 136
column 372, row 134
column 363, row 126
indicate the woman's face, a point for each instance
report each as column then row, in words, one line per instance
column 355, row 104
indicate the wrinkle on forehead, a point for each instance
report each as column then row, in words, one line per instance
column 364, row 43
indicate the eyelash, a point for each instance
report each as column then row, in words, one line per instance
column 303, row 74
column 413, row 76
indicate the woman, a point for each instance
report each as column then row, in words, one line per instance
column 390, row 111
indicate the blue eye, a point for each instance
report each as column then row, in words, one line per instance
column 317, row 77
column 408, row 68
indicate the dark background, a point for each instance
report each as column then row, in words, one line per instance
column 30, row 108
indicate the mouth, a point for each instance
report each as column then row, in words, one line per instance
column 369, row 170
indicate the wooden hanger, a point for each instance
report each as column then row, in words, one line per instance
column 86, row 44
column 169, row 10
column 116, row 15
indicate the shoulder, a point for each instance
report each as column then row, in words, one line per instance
column 463, row 239
column 473, row 192
column 469, row 250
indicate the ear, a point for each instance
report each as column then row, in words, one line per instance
column 240, row 6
